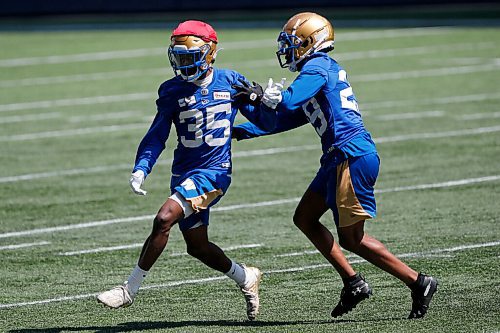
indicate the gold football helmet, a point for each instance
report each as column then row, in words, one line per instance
column 303, row 34
column 192, row 49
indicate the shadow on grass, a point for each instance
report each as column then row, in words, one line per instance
column 154, row 325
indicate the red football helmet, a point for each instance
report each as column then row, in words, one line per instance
column 192, row 49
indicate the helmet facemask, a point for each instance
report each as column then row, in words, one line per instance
column 191, row 63
column 287, row 50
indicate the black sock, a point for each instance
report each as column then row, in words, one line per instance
column 349, row 280
column 417, row 284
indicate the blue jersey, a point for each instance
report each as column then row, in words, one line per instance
column 203, row 119
column 321, row 95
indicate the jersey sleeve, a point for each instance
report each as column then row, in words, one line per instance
column 305, row 87
column 153, row 142
column 285, row 121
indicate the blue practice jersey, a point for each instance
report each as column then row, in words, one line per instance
column 321, row 95
column 203, row 119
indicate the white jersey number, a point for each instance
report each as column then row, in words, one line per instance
column 316, row 116
column 346, row 95
column 211, row 124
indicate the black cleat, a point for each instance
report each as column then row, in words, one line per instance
column 422, row 291
column 352, row 294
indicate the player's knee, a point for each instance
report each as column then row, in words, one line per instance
column 299, row 219
column 194, row 250
column 350, row 242
column 164, row 221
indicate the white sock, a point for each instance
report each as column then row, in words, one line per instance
column 135, row 279
column 238, row 274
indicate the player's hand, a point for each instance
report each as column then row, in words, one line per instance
column 250, row 94
column 136, row 181
column 272, row 95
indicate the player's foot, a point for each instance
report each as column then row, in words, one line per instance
column 251, row 291
column 421, row 295
column 118, row 297
column 352, row 294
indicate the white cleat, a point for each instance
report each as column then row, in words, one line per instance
column 118, row 297
column 251, row 292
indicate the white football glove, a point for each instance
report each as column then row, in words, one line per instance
column 136, row 181
column 272, row 95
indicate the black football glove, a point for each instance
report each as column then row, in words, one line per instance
column 248, row 94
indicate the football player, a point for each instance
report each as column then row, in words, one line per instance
column 202, row 104
column 322, row 96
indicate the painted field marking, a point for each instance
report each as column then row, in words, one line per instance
column 258, row 152
column 273, row 271
column 23, row 245
column 431, row 101
column 72, row 132
column 408, row 115
column 165, row 71
column 139, row 245
column 148, row 95
column 78, row 101
column 447, row 184
column 444, row 71
column 147, row 52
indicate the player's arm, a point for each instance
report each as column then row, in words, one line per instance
column 247, row 100
column 285, row 121
column 150, row 149
column 305, row 87
column 261, row 116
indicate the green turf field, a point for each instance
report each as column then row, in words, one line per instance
column 74, row 106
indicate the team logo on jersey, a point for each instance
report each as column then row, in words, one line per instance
column 222, row 95
column 204, row 92
column 204, row 101
column 187, row 101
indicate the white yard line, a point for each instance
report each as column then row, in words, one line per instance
column 431, row 101
column 73, row 119
column 139, row 245
column 23, row 245
column 73, row 132
column 165, row 71
column 369, row 77
column 409, row 115
column 476, row 116
column 258, row 152
column 447, row 184
column 272, row 271
column 446, row 71
column 45, row 104
column 30, row 117
column 148, row 52
column 144, row 126
column 435, row 135
column 115, row 167
column 78, row 101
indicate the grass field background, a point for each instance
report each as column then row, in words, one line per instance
column 74, row 106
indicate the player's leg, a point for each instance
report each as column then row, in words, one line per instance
column 168, row 215
column 199, row 246
column 123, row 295
column 311, row 207
column 355, row 203
column 354, row 239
